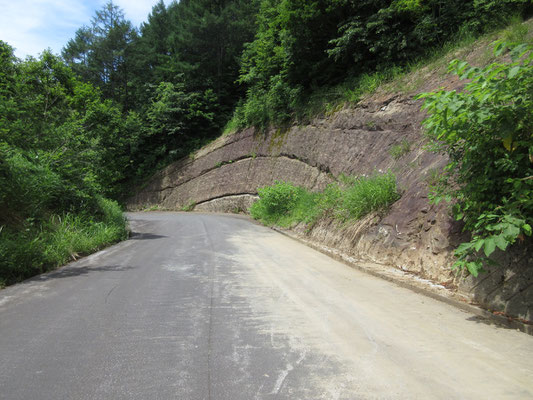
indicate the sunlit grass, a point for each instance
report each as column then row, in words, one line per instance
column 351, row 198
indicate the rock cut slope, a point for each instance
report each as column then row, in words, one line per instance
column 414, row 235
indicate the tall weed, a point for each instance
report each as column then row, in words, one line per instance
column 285, row 204
column 41, row 246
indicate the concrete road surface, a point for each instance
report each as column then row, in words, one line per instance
column 200, row 306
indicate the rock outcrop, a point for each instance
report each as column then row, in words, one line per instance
column 414, row 235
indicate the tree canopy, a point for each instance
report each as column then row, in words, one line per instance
column 121, row 102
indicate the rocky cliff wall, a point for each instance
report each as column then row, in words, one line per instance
column 414, row 235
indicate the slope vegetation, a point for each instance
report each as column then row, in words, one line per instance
column 383, row 132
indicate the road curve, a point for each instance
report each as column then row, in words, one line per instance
column 198, row 306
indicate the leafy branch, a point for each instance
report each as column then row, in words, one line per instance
column 487, row 133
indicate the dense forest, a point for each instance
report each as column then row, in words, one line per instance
column 118, row 103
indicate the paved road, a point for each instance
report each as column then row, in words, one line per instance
column 215, row 307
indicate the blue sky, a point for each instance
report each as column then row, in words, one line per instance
column 30, row 26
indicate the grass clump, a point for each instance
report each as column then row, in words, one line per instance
column 400, row 149
column 355, row 197
column 40, row 246
column 285, row 204
column 517, row 32
column 189, row 206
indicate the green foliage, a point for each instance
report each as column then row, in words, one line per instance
column 175, row 112
column 384, row 32
column 35, row 247
column 303, row 49
column 60, row 146
column 516, row 32
column 172, row 82
column 278, row 199
column 355, row 197
column 352, row 198
column 284, row 204
column 400, row 149
column 189, row 206
column 71, row 236
column 486, row 131
column 264, row 107
column 195, row 44
column 285, row 58
column 99, row 53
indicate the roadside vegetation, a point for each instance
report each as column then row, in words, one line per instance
column 486, row 130
column 56, row 165
column 42, row 244
column 81, row 130
column 351, row 198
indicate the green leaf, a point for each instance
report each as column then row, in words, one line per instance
column 501, row 242
column 460, row 265
column 513, row 72
column 474, row 268
column 486, row 133
column 490, row 246
column 463, row 248
column 511, row 232
column 499, row 48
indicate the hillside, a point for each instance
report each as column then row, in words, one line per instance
column 121, row 102
column 414, row 236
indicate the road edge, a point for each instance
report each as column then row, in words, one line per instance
column 413, row 283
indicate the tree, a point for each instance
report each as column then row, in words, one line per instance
column 206, row 41
column 150, row 57
column 100, row 53
column 173, row 120
column 303, row 46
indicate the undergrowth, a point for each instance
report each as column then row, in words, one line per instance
column 486, row 132
column 40, row 246
column 351, row 198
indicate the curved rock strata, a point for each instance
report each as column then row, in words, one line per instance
column 414, row 235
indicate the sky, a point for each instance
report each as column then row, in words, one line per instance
column 31, row 26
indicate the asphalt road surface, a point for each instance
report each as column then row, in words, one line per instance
column 199, row 306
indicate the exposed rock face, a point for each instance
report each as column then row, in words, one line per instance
column 414, row 235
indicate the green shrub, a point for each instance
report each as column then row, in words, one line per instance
column 284, row 204
column 21, row 255
column 486, row 131
column 112, row 215
column 276, row 201
column 59, row 148
column 368, row 194
column 303, row 48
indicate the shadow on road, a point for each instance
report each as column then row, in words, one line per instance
column 145, row 236
column 68, row 272
column 501, row 322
